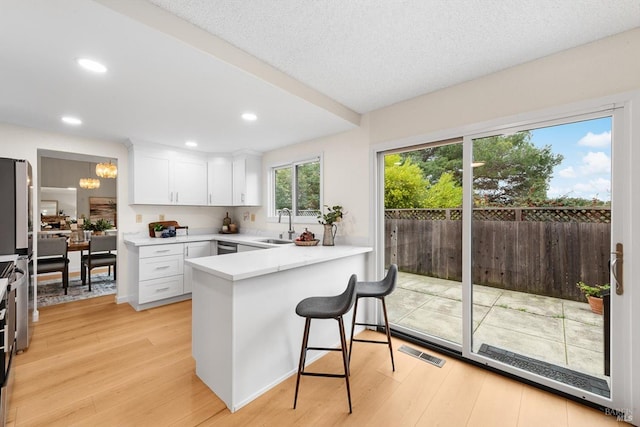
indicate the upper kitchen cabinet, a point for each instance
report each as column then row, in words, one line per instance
column 166, row 177
column 247, row 169
column 220, row 181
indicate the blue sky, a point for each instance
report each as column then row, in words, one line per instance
column 586, row 168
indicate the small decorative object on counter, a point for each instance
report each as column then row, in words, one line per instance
column 307, row 238
column 158, row 230
column 228, row 226
column 328, row 220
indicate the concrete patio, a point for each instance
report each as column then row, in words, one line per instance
column 560, row 332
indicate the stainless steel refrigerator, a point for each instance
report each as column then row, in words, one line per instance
column 16, row 236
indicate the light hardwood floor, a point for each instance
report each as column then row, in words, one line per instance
column 96, row 363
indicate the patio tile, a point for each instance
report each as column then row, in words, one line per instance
column 590, row 337
column 454, row 308
column 581, row 312
column 544, row 306
column 587, row 361
column 549, row 351
column 532, row 324
column 434, row 323
column 485, row 295
column 402, row 301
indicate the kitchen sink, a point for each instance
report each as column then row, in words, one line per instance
column 275, row 241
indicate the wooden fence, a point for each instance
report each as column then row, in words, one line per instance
column 543, row 251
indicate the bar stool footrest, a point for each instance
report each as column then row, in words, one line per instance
column 324, row 348
column 322, row 374
column 370, row 341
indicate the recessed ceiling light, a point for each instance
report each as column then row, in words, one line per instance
column 91, row 65
column 72, row 120
column 191, row 144
column 250, row 117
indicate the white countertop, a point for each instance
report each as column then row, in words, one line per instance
column 138, row 240
column 247, row 239
column 244, row 265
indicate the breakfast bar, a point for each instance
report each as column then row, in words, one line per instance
column 246, row 334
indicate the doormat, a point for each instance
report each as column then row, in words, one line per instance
column 567, row 376
column 50, row 292
column 422, row 356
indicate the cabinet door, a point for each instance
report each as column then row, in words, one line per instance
column 239, row 182
column 190, row 182
column 220, row 181
column 150, row 179
column 247, row 170
column 194, row 250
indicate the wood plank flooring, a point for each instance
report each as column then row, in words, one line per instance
column 97, row 363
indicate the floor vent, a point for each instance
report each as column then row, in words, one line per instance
column 436, row 361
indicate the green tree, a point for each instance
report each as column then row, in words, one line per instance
column 308, row 186
column 283, row 188
column 513, row 170
column 404, row 185
column 446, row 193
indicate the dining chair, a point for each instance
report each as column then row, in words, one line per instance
column 99, row 255
column 52, row 257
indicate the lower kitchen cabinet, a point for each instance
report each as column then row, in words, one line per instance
column 156, row 274
column 194, row 250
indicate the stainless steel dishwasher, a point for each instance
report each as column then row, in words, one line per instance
column 227, row 248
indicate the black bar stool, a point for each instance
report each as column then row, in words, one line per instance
column 332, row 307
column 377, row 290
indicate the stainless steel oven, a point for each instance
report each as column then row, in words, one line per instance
column 8, row 278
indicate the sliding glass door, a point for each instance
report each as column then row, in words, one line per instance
column 500, row 237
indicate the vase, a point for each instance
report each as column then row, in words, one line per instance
column 596, row 304
column 329, row 234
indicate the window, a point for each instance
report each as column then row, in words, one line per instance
column 296, row 186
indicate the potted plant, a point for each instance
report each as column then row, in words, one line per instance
column 157, row 229
column 100, row 226
column 593, row 295
column 334, row 214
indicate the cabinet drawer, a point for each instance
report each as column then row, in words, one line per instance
column 157, row 289
column 161, row 250
column 162, row 266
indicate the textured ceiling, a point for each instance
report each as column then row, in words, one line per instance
column 369, row 54
column 302, row 66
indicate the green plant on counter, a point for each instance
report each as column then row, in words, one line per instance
column 334, row 214
column 158, row 227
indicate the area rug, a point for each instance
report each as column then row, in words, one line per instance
column 50, row 292
column 558, row 373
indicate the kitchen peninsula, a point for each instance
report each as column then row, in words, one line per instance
column 246, row 334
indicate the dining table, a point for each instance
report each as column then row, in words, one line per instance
column 80, row 246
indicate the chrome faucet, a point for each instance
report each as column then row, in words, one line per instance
column 291, row 231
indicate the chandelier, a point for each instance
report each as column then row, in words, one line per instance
column 89, row 183
column 106, row 170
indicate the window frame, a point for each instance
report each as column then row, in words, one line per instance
column 272, row 216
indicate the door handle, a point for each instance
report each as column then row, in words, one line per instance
column 617, row 268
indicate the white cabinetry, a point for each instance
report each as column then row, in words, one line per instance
column 220, row 181
column 194, row 250
column 156, row 275
column 166, row 177
column 190, row 181
column 247, row 169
